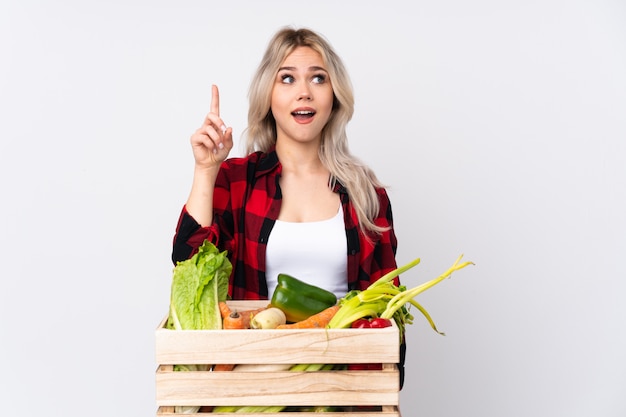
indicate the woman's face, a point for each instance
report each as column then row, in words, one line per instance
column 302, row 96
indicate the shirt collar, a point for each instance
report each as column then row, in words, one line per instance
column 339, row 187
column 268, row 162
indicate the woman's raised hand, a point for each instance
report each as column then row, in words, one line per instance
column 212, row 142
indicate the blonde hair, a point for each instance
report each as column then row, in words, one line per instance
column 358, row 179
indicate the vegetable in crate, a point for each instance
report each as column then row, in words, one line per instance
column 198, row 285
column 248, row 409
column 383, row 299
column 245, row 316
column 316, row 321
column 365, row 323
column 299, row 300
column 270, row 318
column 375, row 323
column 233, row 321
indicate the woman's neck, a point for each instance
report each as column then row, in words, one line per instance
column 300, row 158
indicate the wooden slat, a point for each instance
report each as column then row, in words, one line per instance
column 277, row 346
column 283, row 388
column 328, row 388
column 388, row 412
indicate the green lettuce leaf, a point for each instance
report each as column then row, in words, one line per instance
column 198, row 285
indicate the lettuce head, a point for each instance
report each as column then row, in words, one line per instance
column 198, row 285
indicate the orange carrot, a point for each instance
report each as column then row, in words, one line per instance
column 233, row 321
column 316, row 321
column 223, row 367
column 224, row 309
column 248, row 314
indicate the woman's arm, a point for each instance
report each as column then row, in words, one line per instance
column 211, row 144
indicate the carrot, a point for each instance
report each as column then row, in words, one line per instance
column 233, row 321
column 223, row 367
column 248, row 314
column 316, row 321
column 224, row 309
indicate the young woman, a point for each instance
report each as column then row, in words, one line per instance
column 299, row 203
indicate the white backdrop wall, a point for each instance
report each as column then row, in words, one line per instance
column 498, row 126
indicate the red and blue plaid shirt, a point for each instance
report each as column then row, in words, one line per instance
column 246, row 203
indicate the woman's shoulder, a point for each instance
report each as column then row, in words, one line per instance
column 258, row 162
column 382, row 193
column 240, row 162
column 234, row 161
column 384, row 203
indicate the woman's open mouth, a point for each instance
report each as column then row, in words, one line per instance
column 303, row 115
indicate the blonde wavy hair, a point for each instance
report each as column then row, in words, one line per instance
column 359, row 180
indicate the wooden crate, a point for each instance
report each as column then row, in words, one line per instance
column 378, row 390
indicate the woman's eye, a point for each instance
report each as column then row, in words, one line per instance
column 319, row 79
column 286, row 79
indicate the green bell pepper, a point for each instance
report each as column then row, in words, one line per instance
column 299, row 300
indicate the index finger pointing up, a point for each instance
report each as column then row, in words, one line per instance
column 215, row 100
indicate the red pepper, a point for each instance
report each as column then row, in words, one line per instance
column 361, row 324
column 379, row 323
column 365, row 367
column 358, row 366
column 375, row 323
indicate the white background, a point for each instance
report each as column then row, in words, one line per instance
column 500, row 128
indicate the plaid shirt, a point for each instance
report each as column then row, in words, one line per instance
column 246, row 203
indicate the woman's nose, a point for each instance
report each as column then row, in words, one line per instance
column 305, row 93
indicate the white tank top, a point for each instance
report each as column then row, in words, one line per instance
column 313, row 252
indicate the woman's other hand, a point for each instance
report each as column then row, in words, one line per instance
column 212, row 142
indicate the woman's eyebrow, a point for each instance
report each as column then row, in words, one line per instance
column 313, row 68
